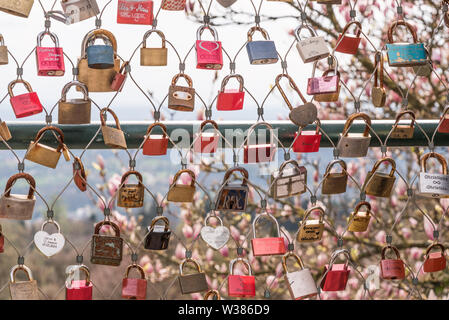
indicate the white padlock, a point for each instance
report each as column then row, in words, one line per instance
column 313, row 48
column 433, row 185
column 300, row 283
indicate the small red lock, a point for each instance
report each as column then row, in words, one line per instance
column 444, row 125
column 435, row 261
column 206, row 142
column 336, row 278
column 240, row 285
column 230, row 99
column 208, row 53
column 392, row 269
column 26, row 104
column 80, row 289
column 155, row 144
column 267, row 246
column 49, row 60
column 135, row 12
column 254, row 153
column 308, row 141
column 349, row 43
column 133, row 288
column 120, row 77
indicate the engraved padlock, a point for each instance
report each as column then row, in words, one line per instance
column 155, row 144
column 354, row 145
column 79, row 289
column 259, row 152
column 113, row 137
column 336, row 274
column 3, row 51
column 182, row 192
column 181, row 98
column 391, row 269
column 191, row 283
column 158, row 235
column 79, row 10
column 18, row 206
column 106, row 249
column 26, row 104
column 378, row 93
column 310, row 49
column 23, row 290
column 74, row 111
column 308, row 140
column 327, row 87
column 433, row 185
column 130, row 195
column 42, row 154
column 335, row 182
column 349, row 43
column 135, row 12
column 233, row 197
column 49, row 60
column 301, row 284
column 435, row 261
column 243, row 286
column 311, row 230
column 403, row 131
column 268, row 246
column 288, row 181
column 18, row 8
column 380, row 184
column 206, row 142
column 209, row 54
column 134, row 288
column 231, row 99
column 261, row 51
column 153, row 56
column 359, row 220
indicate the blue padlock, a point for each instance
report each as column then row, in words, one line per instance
column 100, row 56
column 261, row 51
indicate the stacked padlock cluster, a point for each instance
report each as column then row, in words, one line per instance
column 100, row 69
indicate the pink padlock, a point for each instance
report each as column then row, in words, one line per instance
column 208, row 53
column 49, row 60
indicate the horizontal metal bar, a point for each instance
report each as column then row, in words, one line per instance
column 78, row 136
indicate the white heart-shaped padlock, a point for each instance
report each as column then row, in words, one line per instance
column 217, row 237
column 49, row 244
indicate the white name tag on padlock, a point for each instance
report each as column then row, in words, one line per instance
column 434, row 185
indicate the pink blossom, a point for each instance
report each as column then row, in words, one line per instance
column 406, row 232
column 209, row 254
column 415, row 253
column 272, row 282
column 179, row 252
column 187, row 231
column 428, row 228
column 224, row 251
column 380, row 236
column 322, row 259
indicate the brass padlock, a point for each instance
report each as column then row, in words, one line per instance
column 3, row 51
column 181, row 98
column 335, row 182
column 378, row 94
column 358, row 221
column 23, row 290
column 380, row 184
column 182, row 192
column 288, row 182
column 353, row 145
column 403, row 131
column 5, row 134
column 74, row 111
column 153, row 56
column 311, row 230
column 97, row 80
column 18, row 206
column 331, row 96
column 20, row 8
column 131, row 195
column 191, row 283
column 113, row 137
column 106, row 249
column 45, row 155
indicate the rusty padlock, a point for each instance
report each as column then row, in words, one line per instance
column 191, row 283
column 79, row 174
column 113, row 137
column 182, row 192
column 231, row 99
column 206, row 142
column 327, row 87
column 134, row 288
column 131, row 195
column 443, row 126
column 106, row 249
column 311, row 230
column 5, row 134
column 349, row 43
column 380, row 184
column 267, row 246
column 358, row 220
column 18, row 206
column 378, row 93
column 181, row 98
column 433, row 185
column 214, row 294
column 118, row 82
column 20, row 8
column 335, row 182
column 44, row 155
column 74, row 111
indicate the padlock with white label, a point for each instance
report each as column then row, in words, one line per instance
column 433, row 185
column 313, row 48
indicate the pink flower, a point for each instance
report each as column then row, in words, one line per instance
column 380, row 236
column 187, row 231
column 224, row 251
column 179, row 252
column 209, row 254
column 272, row 282
column 322, row 259
column 428, row 228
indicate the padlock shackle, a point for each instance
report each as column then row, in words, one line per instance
column 123, row 67
column 79, row 85
column 258, row 124
column 60, row 137
column 317, row 127
column 180, row 172
column 269, row 216
column 297, row 32
column 329, row 69
column 213, row 293
column 135, row 266
column 175, row 79
column 350, row 23
column 21, row 175
column 404, row 113
column 86, row 271
column 160, row 218
column 212, row 30
column 254, row 29
column 2, row 40
column 226, row 79
column 181, row 266
column 397, row 23
column 435, row 155
column 13, row 83
column 51, row 222
column 239, row 260
column 205, row 122
column 100, row 224
column 333, row 163
column 379, row 73
column 292, row 85
column 242, row 170
column 434, row 245
column 392, row 248
column 98, row 33
column 292, row 162
column 53, row 37
column 206, row 220
column 132, row 172
column 386, row 159
column 363, row 204
column 309, row 211
column 294, row 255
column 337, row 254
column 18, row 267
column 351, row 119
column 103, row 121
column 148, row 33
column 157, row 124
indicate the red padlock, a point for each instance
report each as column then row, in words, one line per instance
column 49, row 60
column 336, row 278
column 267, row 246
column 444, row 125
column 240, row 285
column 349, row 43
column 155, row 144
column 435, row 261
column 80, row 289
column 135, row 12
column 254, row 153
column 308, row 141
column 206, row 142
column 230, row 99
column 392, row 269
column 26, row 104
column 119, row 79
column 208, row 53
column 133, row 288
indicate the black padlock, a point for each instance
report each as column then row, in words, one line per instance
column 158, row 235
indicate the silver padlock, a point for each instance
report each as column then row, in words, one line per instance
column 79, row 10
column 300, row 283
column 313, row 48
column 433, row 185
column 354, row 145
column 3, row 51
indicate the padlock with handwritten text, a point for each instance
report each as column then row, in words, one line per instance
column 209, row 54
column 359, row 220
column 45, row 155
column 118, row 82
column 79, row 289
column 261, row 51
column 435, row 261
column 156, row 56
column 19, row 8
column 308, row 140
column 158, row 235
column 74, row 111
column 336, row 274
column 391, row 269
column 130, row 195
column 215, row 237
column 313, row 48
column 135, row 12
column 433, row 185
column 134, row 288
column 181, row 98
column 194, row 282
column 155, row 144
column 182, row 192
column 26, row 104
column 300, row 283
column 18, row 206
column 403, row 131
column 79, row 10
column 288, row 181
column 354, row 145
column 380, row 184
column 49, row 60
column 112, row 137
column 243, row 286
column 232, row 196
column 311, row 230
column 3, row 51
column 106, row 249
column 349, row 43
column 268, row 246
column 231, row 99
column 206, row 142
column 23, row 290
column 335, row 182
column 259, row 152
column 173, row 5
column 378, row 93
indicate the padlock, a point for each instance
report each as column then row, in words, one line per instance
column 302, row 115
column 288, row 182
column 405, row 54
column 100, row 56
column 173, row 5
column 206, row 142
column 433, row 185
column 226, row 4
column 335, row 182
column 23, row 290
column 181, row 98
column 112, row 137
column 191, row 283
column 106, row 249
column 242, row 286
column 79, row 175
column 26, row 104
column 119, row 79
column 158, row 235
column 359, row 221
column 311, row 230
column 269, row 246
column 435, row 261
column 79, row 10
column 443, row 126
column 230, row 99
column 43, row 154
column 153, row 56
column 354, row 145
column 403, row 131
column 215, row 237
column 5, row 134
column 378, row 93
column 74, row 111
column 255, row 153
column 98, row 80
column 79, row 289
column 300, row 283
column 424, row 70
column 336, row 275
column 3, row 51
column 325, row 88
column 380, row 184
column 20, row 8
column 182, row 192
column 392, row 269
column 18, row 206
column 308, row 141
column 135, row 12
column 49, row 60
column 155, row 144
column 349, row 44
column 212, row 293
column 313, row 48
column 2, row 240
column 131, row 195
column 261, row 51
column 209, row 54
column 134, row 288
column 233, row 197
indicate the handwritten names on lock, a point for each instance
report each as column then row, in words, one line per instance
column 312, row 231
column 434, row 184
column 135, row 12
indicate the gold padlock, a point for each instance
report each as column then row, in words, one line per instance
column 74, row 111
column 378, row 94
column 181, row 98
column 23, row 290
column 20, row 8
column 358, row 221
column 131, row 195
column 335, row 182
column 182, row 192
column 403, row 131
column 311, row 230
column 153, row 56
column 5, row 134
column 113, row 137
column 18, row 206
column 380, row 184
column 3, row 51
column 45, row 155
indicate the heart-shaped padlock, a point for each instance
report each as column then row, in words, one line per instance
column 49, row 244
column 304, row 115
column 217, row 237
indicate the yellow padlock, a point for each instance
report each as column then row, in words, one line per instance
column 358, row 221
